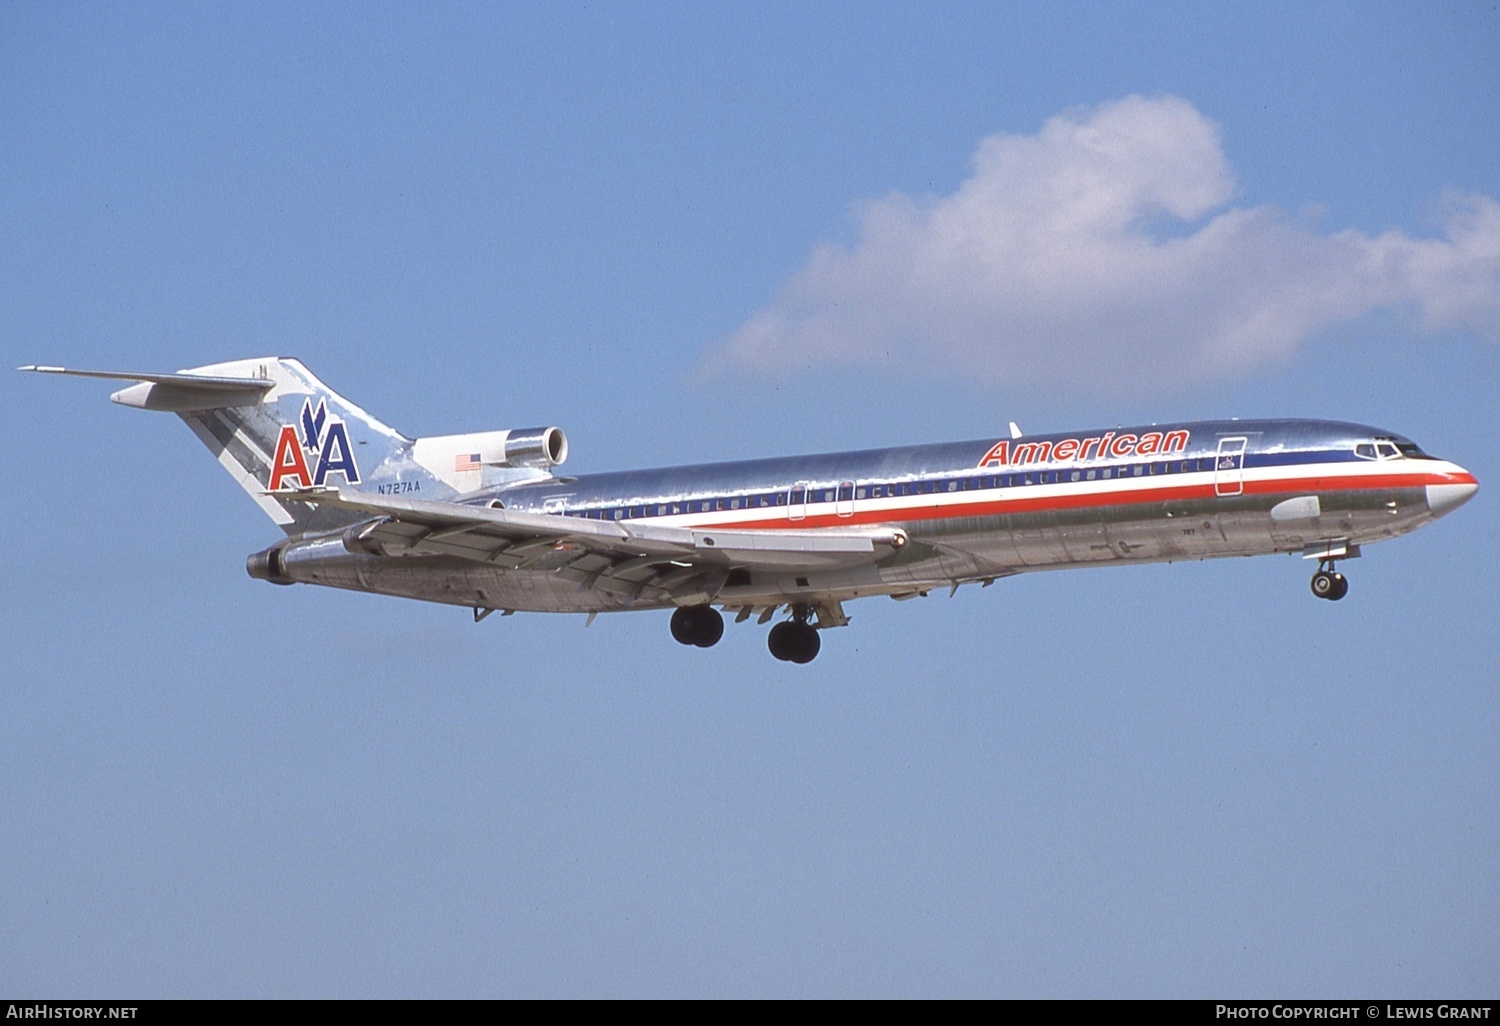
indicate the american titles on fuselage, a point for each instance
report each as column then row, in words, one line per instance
column 1016, row 453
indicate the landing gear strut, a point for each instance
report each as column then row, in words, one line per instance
column 697, row 625
column 1327, row 583
column 795, row 640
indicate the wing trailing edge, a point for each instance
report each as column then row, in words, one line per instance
column 418, row 527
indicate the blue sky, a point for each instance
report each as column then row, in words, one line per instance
column 1187, row 780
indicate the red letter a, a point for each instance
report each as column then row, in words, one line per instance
column 289, row 461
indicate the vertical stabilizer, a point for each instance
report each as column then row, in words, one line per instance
column 299, row 433
column 277, row 429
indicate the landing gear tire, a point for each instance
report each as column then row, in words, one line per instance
column 794, row 642
column 1329, row 585
column 697, row 625
column 809, row 645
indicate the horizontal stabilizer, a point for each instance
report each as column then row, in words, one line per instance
column 176, row 393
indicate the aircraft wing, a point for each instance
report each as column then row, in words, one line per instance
column 619, row 556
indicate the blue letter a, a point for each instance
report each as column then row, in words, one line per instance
column 336, row 455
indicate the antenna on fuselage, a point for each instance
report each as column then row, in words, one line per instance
column 1015, row 431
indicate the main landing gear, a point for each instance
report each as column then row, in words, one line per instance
column 1328, row 584
column 697, row 625
column 795, row 640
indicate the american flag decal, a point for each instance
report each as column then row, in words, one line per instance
column 467, row 461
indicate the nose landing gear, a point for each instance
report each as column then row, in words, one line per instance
column 1329, row 584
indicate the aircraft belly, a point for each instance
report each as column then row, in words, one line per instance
column 1222, row 526
column 442, row 579
column 955, row 549
column 1371, row 517
column 1037, row 539
column 453, row 582
column 1251, row 527
column 1085, row 536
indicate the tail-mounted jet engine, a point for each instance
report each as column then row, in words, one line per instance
column 327, row 559
column 458, row 460
column 535, row 447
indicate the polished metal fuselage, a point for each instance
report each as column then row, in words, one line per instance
column 974, row 511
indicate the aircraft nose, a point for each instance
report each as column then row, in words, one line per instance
column 1445, row 498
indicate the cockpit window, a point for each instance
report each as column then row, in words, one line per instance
column 1388, row 448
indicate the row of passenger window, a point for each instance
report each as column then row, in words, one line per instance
column 799, row 495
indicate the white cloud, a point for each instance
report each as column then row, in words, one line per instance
column 1102, row 251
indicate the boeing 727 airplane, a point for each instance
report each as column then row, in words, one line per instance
column 486, row 521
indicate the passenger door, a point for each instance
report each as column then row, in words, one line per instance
column 1229, row 466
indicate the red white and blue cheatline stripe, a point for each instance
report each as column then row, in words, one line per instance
column 1067, row 496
